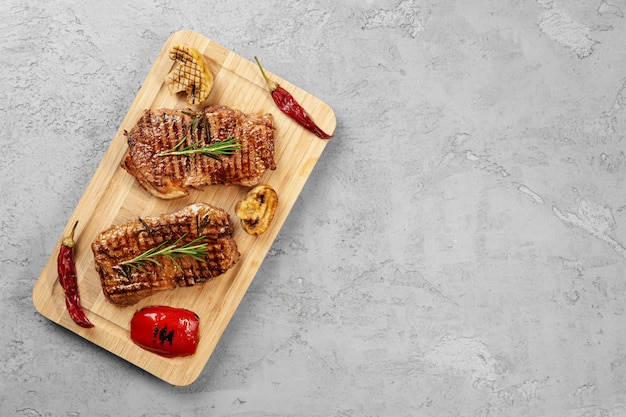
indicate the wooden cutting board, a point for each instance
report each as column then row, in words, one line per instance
column 113, row 197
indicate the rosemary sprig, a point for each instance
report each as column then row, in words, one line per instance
column 193, row 249
column 200, row 121
column 147, row 229
column 224, row 147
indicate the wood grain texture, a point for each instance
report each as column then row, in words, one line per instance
column 114, row 197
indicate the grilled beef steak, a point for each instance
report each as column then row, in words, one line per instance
column 126, row 284
column 170, row 176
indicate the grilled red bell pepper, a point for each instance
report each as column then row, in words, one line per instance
column 166, row 331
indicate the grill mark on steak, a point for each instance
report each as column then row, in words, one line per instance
column 171, row 176
column 124, row 285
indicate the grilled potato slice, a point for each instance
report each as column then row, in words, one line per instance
column 257, row 210
column 191, row 74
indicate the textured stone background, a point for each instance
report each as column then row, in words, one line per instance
column 459, row 250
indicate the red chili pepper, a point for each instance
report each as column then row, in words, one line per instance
column 166, row 331
column 288, row 105
column 66, row 267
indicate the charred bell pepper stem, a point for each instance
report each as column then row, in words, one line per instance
column 288, row 105
column 66, row 266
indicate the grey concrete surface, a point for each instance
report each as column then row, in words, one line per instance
column 459, row 250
